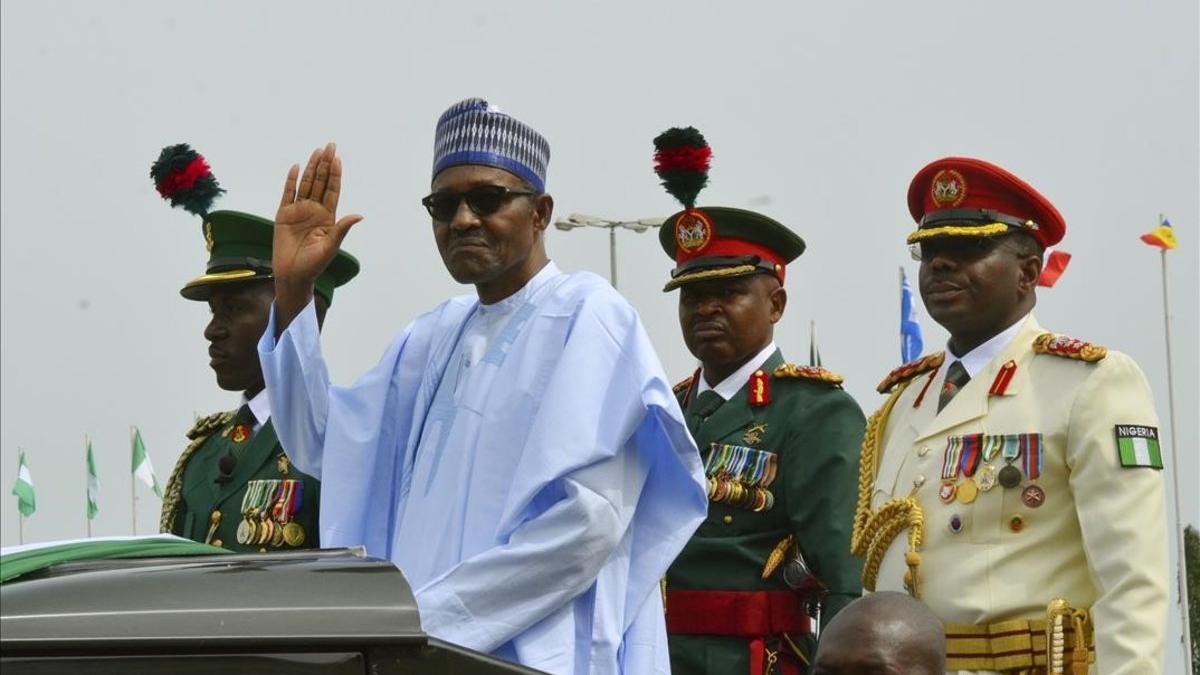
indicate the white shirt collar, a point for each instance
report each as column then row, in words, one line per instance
column 730, row 386
column 978, row 358
column 260, row 407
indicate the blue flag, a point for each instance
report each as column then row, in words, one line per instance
column 911, row 343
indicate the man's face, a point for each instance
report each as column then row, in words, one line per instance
column 727, row 321
column 975, row 286
column 488, row 249
column 239, row 317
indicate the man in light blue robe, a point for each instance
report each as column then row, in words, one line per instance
column 518, row 454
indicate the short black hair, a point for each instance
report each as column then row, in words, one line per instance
column 1023, row 244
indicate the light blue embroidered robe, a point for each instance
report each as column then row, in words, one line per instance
column 525, row 464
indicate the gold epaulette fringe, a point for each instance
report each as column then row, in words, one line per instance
column 682, row 386
column 874, row 532
column 173, row 493
column 808, row 373
column 1068, row 347
column 910, row 370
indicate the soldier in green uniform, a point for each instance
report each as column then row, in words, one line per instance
column 234, row 486
column 780, row 444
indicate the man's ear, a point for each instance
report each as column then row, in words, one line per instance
column 543, row 211
column 1030, row 270
column 778, row 299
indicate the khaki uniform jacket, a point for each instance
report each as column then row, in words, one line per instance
column 1099, row 539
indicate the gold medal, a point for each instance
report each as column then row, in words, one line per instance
column 276, row 535
column 967, row 491
column 251, row 531
column 293, row 534
column 947, row 491
column 243, row 531
column 985, row 480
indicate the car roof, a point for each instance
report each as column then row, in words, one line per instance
column 297, row 597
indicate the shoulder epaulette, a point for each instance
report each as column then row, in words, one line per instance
column 205, row 425
column 682, row 385
column 808, row 373
column 910, row 370
column 1068, row 347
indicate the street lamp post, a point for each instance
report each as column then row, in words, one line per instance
column 577, row 220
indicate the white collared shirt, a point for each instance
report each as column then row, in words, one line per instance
column 730, row 386
column 260, row 407
column 978, row 358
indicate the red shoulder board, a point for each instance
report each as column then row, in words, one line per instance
column 808, row 373
column 1068, row 347
column 910, row 370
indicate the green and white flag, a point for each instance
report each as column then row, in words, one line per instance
column 142, row 468
column 93, row 484
column 1138, row 446
column 23, row 489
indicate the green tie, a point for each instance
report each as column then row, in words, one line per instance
column 956, row 379
column 703, row 407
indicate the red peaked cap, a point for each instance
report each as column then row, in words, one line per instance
column 951, row 185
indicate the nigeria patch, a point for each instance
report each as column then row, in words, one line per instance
column 1138, row 446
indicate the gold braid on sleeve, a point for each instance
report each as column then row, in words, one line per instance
column 874, row 532
column 173, row 493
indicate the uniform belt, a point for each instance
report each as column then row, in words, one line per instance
column 736, row 613
column 1007, row 645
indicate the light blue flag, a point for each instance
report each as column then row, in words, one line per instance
column 911, row 343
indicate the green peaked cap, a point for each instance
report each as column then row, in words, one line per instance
column 239, row 248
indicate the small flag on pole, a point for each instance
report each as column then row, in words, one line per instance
column 93, row 485
column 23, row 489
column 1056, row 264
column 142, row 468
column 1162, row 236
column 911, row 343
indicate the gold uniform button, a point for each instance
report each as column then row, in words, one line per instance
column 215, row 517
column 218, row 543
column 923, row 450
column 262, row 550
column 919, row 481
column 727, row 519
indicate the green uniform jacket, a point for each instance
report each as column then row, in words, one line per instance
column 194, row 500
column 815, row 429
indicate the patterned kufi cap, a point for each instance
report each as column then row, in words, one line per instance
column 476, row 132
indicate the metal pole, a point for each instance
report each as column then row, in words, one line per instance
column 20, row 528
column 1184, row 610
column 87, row 516
column 132, row 486
column 612, row 254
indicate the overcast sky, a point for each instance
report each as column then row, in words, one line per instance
column 818, row 114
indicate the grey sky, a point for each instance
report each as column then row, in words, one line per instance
column 818, row 114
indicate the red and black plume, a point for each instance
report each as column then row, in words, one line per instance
column 681, row 159
column 183, row 177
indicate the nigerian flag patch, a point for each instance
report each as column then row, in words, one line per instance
column 1138, row 446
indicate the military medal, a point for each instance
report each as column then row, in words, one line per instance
column 985, row 480
column 1031, row 451
column 947, row 491
column 243, row 529
column 293, row 534
column 967, row 491
column 1033, row 496
column 1010, row 476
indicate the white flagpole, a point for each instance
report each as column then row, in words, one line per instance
column 132, row 485
column 20, row 516
column 1181, row 565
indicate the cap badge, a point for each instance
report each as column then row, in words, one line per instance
column 208, row 237
column 948, row 189
column 693, row 231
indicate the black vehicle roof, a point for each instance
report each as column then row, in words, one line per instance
column 293, row 598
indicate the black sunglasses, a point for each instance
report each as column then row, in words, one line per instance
column 483, row 201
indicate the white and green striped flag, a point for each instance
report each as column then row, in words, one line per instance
column 23, row 489
column 93, row 484
column 1138, row 446
column 142, row 468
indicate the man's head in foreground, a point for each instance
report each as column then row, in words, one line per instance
column 882, row 634
column 488, row 201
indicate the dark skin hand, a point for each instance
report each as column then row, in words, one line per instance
column 725, row 322
column 239, row 317
column 975, row 288
column 307, row 231
column 500, row 252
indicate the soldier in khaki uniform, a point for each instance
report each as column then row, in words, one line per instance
column 780, row 443
column 234, row 485
column 1012, row 482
